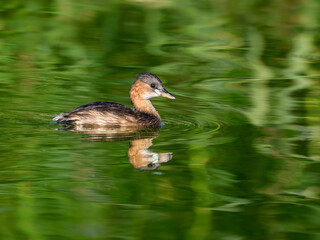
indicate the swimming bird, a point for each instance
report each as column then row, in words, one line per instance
column 143, row 113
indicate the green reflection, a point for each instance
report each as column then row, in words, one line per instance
column 249, row 67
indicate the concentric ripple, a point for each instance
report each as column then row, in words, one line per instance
column 187, row 129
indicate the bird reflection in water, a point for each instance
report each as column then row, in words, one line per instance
column 140, row 139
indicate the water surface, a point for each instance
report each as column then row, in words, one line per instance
column 237, row 158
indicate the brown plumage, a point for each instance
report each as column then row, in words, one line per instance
column 143, row 89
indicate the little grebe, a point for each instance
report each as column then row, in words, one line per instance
column 146, row 86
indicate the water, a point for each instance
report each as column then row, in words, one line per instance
column 237, row 158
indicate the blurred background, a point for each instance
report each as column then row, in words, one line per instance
column 243, row 133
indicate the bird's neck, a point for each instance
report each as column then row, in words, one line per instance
column 142, row 104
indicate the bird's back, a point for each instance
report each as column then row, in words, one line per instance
column 107, row 113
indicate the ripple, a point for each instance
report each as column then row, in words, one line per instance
column 192, row 126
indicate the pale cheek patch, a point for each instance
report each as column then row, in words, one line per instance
column 156, row 93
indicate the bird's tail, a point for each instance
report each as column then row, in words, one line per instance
column 62, row 118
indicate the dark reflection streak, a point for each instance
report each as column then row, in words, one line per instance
column 140, row 139
column 301, row 111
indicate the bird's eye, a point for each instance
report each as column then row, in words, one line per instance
column 153, row 85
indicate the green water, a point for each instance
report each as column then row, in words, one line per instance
column 237, row 158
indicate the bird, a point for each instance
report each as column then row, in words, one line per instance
column 143, row 113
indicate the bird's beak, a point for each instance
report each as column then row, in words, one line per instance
column 165, row 93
